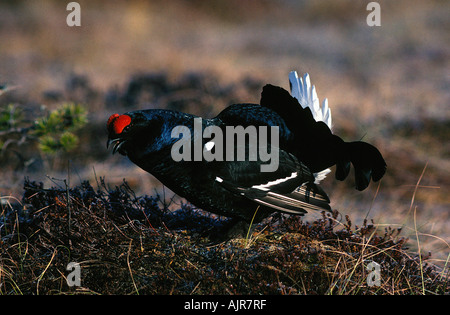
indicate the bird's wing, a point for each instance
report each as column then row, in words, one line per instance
column 289, row 189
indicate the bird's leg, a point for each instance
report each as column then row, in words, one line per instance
column 233, row 228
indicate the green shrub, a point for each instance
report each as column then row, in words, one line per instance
column 55, row 131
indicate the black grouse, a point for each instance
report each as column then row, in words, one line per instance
column 223, row 172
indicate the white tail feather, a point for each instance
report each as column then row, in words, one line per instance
column 306, row 95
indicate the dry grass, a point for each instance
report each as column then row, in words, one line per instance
column 132, row 245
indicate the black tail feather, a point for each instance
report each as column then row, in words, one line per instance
column 342, row 170
column 324, row 149
column 367, row 161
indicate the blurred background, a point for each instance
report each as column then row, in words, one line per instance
column 387, row 85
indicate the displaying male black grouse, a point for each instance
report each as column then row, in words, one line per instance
column 238, row 188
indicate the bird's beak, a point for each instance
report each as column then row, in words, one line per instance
column 108, row 142
column 118, row 142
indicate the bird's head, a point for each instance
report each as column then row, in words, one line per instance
column 118, row 126
column 134, row 133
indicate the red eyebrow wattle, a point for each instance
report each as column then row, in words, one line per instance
column 118, row 122
column 110, row 119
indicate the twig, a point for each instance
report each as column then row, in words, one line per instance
column 45, row 270
column 373, row 200
column 67, row 183
column 250, row 227
column 420, row 255
column 129, row 267
column 416, row 187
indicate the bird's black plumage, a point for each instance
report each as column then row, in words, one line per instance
column 238, row 188
column 315, row 145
